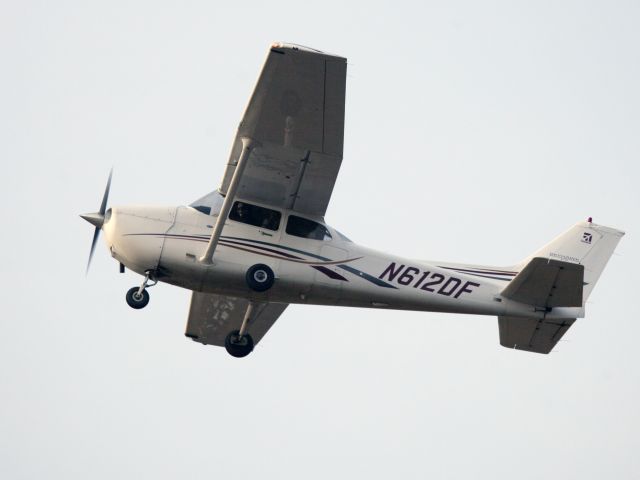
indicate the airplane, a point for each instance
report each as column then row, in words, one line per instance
column 260, row 242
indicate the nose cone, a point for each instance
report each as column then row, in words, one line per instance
column 95, row 219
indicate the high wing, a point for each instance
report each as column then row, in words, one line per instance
column 295, row 117
column 212, row 317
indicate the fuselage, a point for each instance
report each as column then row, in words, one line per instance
column 325, row 269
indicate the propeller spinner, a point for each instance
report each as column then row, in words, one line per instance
column 97, row 219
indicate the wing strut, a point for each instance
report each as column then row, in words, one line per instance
column 247, row 146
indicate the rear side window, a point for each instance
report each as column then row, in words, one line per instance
column 255, row 215
column 305, row 228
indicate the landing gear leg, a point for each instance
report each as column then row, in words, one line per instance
column 138, row 297
column 238, row 342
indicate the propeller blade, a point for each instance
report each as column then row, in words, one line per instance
column 105, row 197
column 97, row 219
column 96, row 234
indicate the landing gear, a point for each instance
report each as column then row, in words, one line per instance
column 238, row 342
column 138, row 297
column 137, row 300
column 260, row 277
column 238, row 345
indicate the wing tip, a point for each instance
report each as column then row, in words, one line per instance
column 279, row 46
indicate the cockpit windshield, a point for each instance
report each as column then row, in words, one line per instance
column 210, row 204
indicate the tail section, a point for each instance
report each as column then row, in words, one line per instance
column 560, row 274
column 585, row 244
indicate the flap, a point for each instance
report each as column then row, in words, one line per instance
column 547, row 283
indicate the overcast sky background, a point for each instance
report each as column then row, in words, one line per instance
column 475, row 132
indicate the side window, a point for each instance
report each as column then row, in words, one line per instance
column 255, row 215
column 305, row 228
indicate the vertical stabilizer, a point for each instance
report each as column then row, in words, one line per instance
column 586, row 244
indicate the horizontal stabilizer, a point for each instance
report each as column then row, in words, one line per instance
column 532, row 334
column 547, row 283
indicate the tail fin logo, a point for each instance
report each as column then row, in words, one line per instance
column 586, row 238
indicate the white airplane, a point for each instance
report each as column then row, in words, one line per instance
column 260, row 242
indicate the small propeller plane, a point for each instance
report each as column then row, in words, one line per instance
column 260, row 242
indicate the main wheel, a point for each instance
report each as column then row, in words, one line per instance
column 260, row 277
column 238, row 346
column 137, row 300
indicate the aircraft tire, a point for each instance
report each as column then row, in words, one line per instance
column 238, row 346
column 260, row 277
column 136, row 301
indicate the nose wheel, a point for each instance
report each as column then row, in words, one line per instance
column 138, row 297
column 137, row 300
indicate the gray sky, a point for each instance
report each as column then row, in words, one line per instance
column 496, row 125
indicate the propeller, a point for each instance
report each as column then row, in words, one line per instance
column 97, row 219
